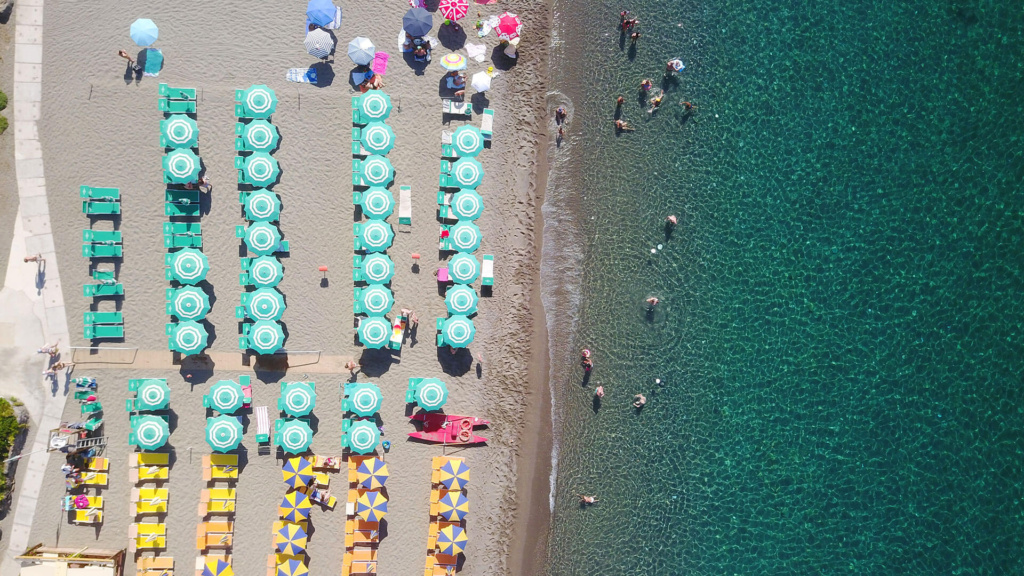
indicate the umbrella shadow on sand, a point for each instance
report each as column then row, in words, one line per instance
column 376, row 361
column 452, row 36
column 356, row 72
column 457, row 364
column 480, row 102
column 324, row 75
column 417, row 66
column 501, row 60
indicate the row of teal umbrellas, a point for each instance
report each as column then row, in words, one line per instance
column 264, row 304
column 262, row 238
column 375, row 299
column 261, row 205
column 376, row 235
column 264, row 336
column 464, row 236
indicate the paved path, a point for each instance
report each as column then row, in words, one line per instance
column 33, row 305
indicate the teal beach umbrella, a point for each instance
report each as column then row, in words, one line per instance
column 189, row 266
column 258, row 101
column 265, row 304
column 468, row 172
column 265, row 272
column 266, row 337
column 463, row 268
column 262, row 238
column 377, row 137
column 378, row 268
column 458, row 331
column 374, row 104
column 153, row 395
column 187, row 337
column 261, row 169
column 431, row 394
column 377, row 171
column 376, row 236
column 151, row 432
column 223, row 433
column 262, row 205
column 259, row 135
column 226, row 396
column 461, row 299
column 294, row 436
column 467, row 140
column 181, row 165
column 364, row 398
column 188, row 303
column 298, row 398
column 180, row 131
column 378, row 203
column 363, row 437
column 376, row 300
column 467, row 205
column 374, row 332
column 465, row 236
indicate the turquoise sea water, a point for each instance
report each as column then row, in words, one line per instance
column 842, row 321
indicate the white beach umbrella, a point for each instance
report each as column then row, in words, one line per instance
column 361, row 50
column 481, row 81
column 319, row 43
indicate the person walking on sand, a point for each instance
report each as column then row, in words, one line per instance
column 639, row 401
column 352, row 367
column 50, row 349
column 131, row 61
column 587, row 499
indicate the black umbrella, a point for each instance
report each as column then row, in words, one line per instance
column 417, row 22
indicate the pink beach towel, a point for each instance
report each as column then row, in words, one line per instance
column 380, row 63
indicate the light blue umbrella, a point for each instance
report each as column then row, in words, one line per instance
column 467, row 140
column 376, row 236
column 144, row 32
column 298, row 398
column 377, row 171
column 261, row 168
column 260, row 135
column 376, row 300
column 265, row 272
column 223, row 433
column 363, row 398
column 262, row 238
column 265, row 304
column 363, row 436
column 374, row 332
column 377, row 137
column 266, row 336
column 262, row 205
column 431, row 394
column 378, row 203
column 321, row 12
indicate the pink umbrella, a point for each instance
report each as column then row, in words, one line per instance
column 453, row 9
column 509, row 26
column 81, row 501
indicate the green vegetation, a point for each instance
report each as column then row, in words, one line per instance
column 9, row 430
column 3, row 119
column 3, row 100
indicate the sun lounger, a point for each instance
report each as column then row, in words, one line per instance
column 103, row 331
column 487, row 124
column 181, row 196
column 94, row 208
column 101, row 250
column 98, row 464
column 213, row 541
column 405, row 205
column 184, row 210
column 182, row 241
column 332, row 463
column 456, row 107
column 101, row 290
column 186, row 228
column 154, row 566
column 83, row 394
column 147, row 536
column 89, row 516
column 444, row 200
column 168, row 106
column 246, row 394
column 91, row 193
column 103, row 318
column 92, row 424
column 216, row 507
column 147, row 474
column 91, row 407
column 101, row 236
column 136, row 459
column 262, row 425
column 487, row 271
column 94, row 478
column 176, row 93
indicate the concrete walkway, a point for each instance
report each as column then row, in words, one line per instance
column 31, row 303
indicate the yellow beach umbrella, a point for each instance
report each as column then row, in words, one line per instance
column 290, row 539
column 217, row 567
column 452, row 540
column 294, row 507
column 297, row 472
column 454, row 474
column 292, row 568
column 372, row 506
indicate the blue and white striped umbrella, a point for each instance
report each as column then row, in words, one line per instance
column 319, row 43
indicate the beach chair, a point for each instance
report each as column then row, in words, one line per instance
column 262, row 426
column 168, row 106
column 456, row 108
column 149, row 459
column 332, row 463
column 405, row 205
column 181, row 196
column 154, row 566
column 243, row 381
column 444, row 200
column 94, row 208
column 91, row 515
column 410, row 392
column 102, row 290
column 148, row 474
column 129, row 405
column 101, row 250
column 183, row 210
column 183, row 228
column 487, row 271
column 487, row 124
column 83, row 395
column 94, row 478
column 87, row 382
column 102, row 318
column 103, row 332
column 147, row 536
column 93, row 424
column 176, row 93
column 216, row 507
column 101, row 236
column 91, row 193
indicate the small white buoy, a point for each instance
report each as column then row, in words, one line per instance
column 653, row 251
column 657, row 380
column 659, row 246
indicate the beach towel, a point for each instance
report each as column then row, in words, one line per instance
column 154, row 62
column 336, row 23
column 380, row 63
column 301, row 75
column 475, row 51
column 487, row 25
column 418, row 3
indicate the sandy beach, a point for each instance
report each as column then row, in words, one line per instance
column 101, row 128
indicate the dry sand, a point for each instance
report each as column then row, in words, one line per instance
column 103, row 130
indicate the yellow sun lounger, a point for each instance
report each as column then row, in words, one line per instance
column 97, row 464
column 154, row 566
column 147, row 474
column 220, row 460
column 94, row 478
column 136, row 459
column 217, row 494
column 213, row 541
column 332, row 463
column 323, row 479
column 147, row 536
column 89, row 516
column 216, row 507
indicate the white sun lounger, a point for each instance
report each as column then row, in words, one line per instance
column 487, row 123
column 487, row 272
column 405, row 205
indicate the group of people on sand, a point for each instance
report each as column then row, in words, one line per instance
column 673, row 66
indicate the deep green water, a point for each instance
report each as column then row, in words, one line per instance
column 841, row 327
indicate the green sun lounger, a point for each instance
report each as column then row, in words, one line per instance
column 101, row 250
column 448, row 151
column 454, row 108
column 103, row 331
column 175, row 209
column 92, row 424
column 169, row 106
column 101, row 290
column 182, row 196
column 103, row 318
column 93, row 207
column 177, row 93
column 183, row 228
column 102, row 236
column 183, row 241
column 92, row 408
column 99, row 193
column 103, row 275
column 443, row 204
column 129, row 405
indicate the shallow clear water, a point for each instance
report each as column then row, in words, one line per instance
column 841, row 329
